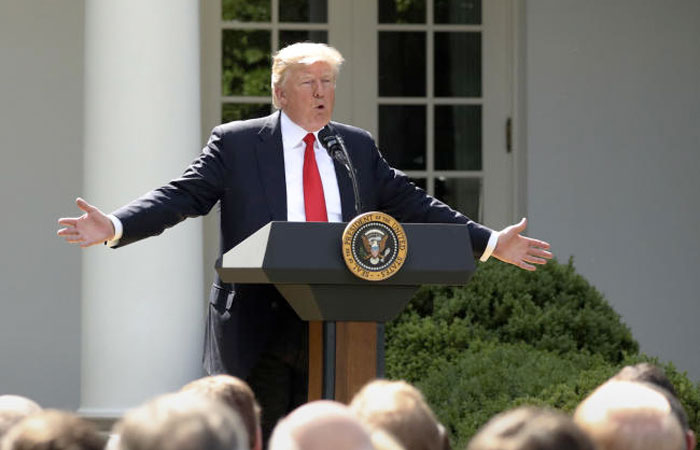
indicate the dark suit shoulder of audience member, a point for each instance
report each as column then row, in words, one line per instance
column 235, row 393
column 400, row 409
column 53, row 430
column 530, row 428
column 14, row 408
column 180, row 421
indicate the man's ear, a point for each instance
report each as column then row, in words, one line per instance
column 281, row 97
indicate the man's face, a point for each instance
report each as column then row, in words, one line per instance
column 308, row 94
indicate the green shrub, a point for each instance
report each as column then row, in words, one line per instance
column 492, row 377
column 553, row 309
column 512, row 337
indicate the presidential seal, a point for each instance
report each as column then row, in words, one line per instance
column 374, row 246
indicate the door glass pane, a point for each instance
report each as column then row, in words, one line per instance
column 288, row 37
column 243, row 111
column 402, row 135
column 463, row 194
column 246, row 10
column 458, row 64
column 401, row 11
column 310, row 11
column 458, row 137
column 245, row 62
column 458, row 11
column 401, row 64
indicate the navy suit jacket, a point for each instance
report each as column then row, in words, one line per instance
column 242, row 168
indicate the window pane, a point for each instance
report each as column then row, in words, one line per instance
column 458, row 137
column 288, row 37
column 311, row 11
column 463, row 194
column 401, row 64
column 243, row 111
column 245, row 62
column 458, row 11
column 402, row 135
column 401, row 11
column 246, row 10
column 458, row 64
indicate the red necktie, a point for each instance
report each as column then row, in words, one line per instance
column 314, row 201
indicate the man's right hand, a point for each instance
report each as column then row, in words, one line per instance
column 93, row 227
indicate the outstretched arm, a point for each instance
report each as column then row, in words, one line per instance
column 93, row 227
column 519, row 250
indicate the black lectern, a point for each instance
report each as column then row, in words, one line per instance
column 304, row 262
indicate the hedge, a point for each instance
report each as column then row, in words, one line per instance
column 512, row 337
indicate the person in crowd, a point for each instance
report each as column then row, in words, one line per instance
column 623, row 415
column 383, row 440
column 530, row 428
column 180, row 421
column 274, row 169
column 235, row 393
column 400, row 409
column 649, row 373
column 320, row 425
column 14, row 408
column 53, row 430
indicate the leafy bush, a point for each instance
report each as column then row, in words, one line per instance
column 512, row 337
column 492, row 377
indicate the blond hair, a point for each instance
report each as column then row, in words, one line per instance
column 233, row 392
column 301, row 53
column 400, row 409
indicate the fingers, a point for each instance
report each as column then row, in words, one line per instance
column 541, row 253
column 526, row 266
column 85, row 206
column 520, row 226
column 534, row 260
column 71, row 231
column 68, row 221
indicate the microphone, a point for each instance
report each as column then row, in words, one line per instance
column 335, row 146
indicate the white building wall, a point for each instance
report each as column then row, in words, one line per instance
column 41, row 117
column 613, row 153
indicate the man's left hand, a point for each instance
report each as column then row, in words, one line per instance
column 521, row 251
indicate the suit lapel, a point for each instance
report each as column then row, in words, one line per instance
column 347, row 197
column 271, row 167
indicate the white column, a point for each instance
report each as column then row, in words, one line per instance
column 142, row 323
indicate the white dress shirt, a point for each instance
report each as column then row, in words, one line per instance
column 294, row 148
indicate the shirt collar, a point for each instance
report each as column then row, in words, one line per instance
column 293, row 134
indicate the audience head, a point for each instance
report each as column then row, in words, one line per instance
column 14, row 408
column 646, row 373
column 235, row 393
column 181, row 422
column 400, row 409
column 53, row 430
column 654, row 376
column 320, row 425
column 529, row 428
column 383, row 440
column 631, row 416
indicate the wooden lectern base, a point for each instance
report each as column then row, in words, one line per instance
column 355, row 358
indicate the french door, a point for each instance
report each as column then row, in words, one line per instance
column 430, row 79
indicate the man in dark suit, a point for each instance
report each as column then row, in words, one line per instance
column 274, row 168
